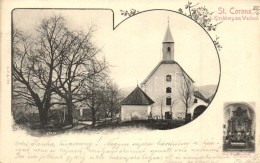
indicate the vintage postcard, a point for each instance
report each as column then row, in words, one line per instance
column 104, row 81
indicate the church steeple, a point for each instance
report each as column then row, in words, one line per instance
column 168, row 45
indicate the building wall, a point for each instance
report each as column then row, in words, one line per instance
column 156, row 86
column 129, row 112
column 194, row 105
column 168, row 55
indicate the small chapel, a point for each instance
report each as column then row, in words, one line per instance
column 168, row 92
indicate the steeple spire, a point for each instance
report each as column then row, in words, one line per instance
column 168, row 44
column 168, row 35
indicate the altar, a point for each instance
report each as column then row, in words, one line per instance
column 239, row 129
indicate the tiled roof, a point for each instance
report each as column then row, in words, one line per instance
column 137, row 97
column 199, row 95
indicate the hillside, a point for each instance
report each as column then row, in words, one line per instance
column 207, row 90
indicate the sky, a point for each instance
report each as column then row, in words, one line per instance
column 134, row 48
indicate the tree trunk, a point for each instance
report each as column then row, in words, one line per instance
column 43, row 113
column 186, row 111
column 43, row 110
column 46, row 106
column 111, row 113
column 69, row 107
column 93, row 118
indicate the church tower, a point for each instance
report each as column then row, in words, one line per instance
column 168, row 46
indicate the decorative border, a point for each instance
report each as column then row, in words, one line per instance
column 201, row 15
column 129, row 13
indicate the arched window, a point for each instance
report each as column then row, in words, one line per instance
column 168, row 101
column 168, row 90
column 168, row 49
column 168, row 78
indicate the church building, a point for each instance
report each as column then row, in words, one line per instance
column 169, row 87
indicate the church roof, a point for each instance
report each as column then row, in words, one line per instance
column 168, row 36
column 199, row 95
column 165, row 62
column 137, row 97
column 210, row 98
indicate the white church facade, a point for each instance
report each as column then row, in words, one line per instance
column 169, row 87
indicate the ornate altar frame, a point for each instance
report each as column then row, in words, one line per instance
column 239, row 129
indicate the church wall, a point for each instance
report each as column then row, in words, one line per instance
column 178, row 110
column 156, row 86
column 137, row 112
column 194, row 105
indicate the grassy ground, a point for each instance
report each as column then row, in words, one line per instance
column 57, row 128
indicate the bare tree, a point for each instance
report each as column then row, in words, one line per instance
column 28, row 84
column 161, row 102
column 104, row 99
column 76, row 56
column 112, row 97
column 94, row 91
column 57, row 61
column 60, row 67
column 186, row 92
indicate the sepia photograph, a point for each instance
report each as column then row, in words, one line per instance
column 239, row 127
column 65, row 75
column 109, row 81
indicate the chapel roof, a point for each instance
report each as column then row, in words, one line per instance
column 200, row 96
column 137, row 97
